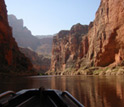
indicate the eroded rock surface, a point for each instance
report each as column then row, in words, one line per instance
column 102, row 46
column 11, row 59
column 67, row 48
column 41, row 64
column 24, row 38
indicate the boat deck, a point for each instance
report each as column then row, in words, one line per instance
column 38, row 98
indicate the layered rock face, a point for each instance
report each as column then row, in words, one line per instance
column 23, row 36
column 106, row 36
column 45, row 47
column 37, row 49
column 11, row 59
column 40, row 63
column 102, row 46
column 67, row 48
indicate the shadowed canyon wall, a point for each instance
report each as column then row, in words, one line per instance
column 102, row 46
column 11, row 59
column 41, row 64
column 36, row 48
column 23, row 36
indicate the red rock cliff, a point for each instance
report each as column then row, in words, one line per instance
column 11, row 59
column 102, row 46
column 106, row 38
column 67, row 47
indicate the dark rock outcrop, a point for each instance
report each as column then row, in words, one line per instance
column 102, row 46
column 41, row 64
column 11, row 59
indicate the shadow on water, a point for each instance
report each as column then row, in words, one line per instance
column 92, row 91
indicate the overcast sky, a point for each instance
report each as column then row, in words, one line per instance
column 44, row 17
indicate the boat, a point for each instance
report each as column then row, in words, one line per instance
column 38, row 98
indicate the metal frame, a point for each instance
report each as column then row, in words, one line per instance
column 72, row 98
column 7, row 93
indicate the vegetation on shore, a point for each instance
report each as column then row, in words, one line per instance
column 118, row 70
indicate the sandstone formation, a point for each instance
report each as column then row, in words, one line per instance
column 102, row 46
column 24, row 38
column 108, row 33
column 67, row 48
column 11, row 59
column 41, row 64
column 45, row 47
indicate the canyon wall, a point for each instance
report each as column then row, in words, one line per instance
column 11, row 59
column 41, row 64
column 67, row 48
column 102, row 46
column 24, row 38
column 106, row 35
column 22, row 34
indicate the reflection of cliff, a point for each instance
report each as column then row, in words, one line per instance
column 110, row 92
column 120, row 90
column 14, row 83
column 103, row 93
column 92, row 91
column 58, row 83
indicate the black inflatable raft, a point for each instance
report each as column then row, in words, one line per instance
column 38, row 98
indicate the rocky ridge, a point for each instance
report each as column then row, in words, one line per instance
column 23, row 36
column 100, row 50
column 36, row 48
column 11, row 59
column 67, row 48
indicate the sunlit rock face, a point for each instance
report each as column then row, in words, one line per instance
column 102, row 46
column 67, row 47
column 11, row 59
column 106, row 38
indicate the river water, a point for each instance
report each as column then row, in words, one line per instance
column 91, row 91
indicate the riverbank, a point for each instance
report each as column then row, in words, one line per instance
column 90, row 71
column 13, row 74
column 82, row 71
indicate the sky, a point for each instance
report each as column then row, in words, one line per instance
column 46, row 17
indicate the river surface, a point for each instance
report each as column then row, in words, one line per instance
column 91, row 91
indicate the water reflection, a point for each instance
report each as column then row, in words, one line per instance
column 92, row 91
